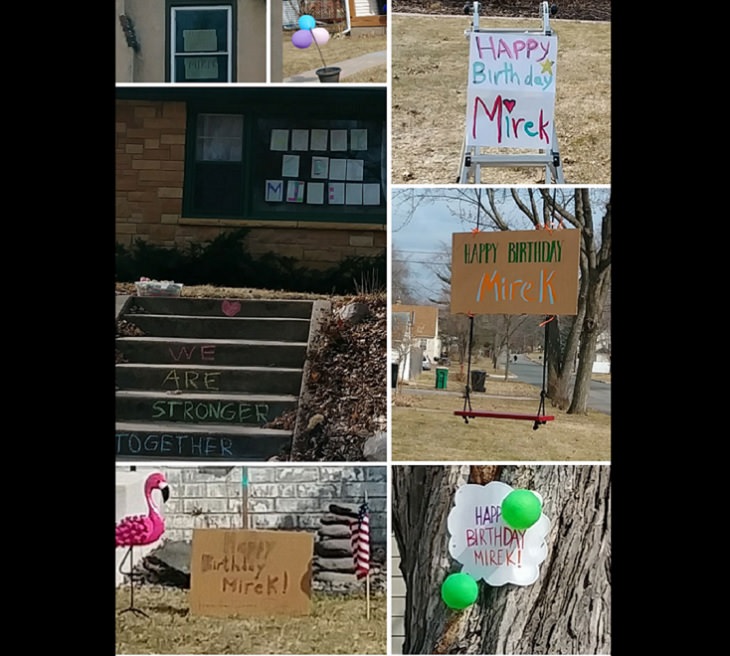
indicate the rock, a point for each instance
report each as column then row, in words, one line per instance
column 334, row 564
column 332, row 518
column 333, row 548
column 336, row 530
column 376, row 447
column 347, row 509
column 168, row 564
column 353, row 312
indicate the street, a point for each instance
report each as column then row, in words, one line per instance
column 530, row 372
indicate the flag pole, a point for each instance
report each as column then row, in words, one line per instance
column 367, row 578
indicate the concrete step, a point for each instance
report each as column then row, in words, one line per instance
column 247, row 328
column 212, row 408
column 218, row 352
column 217, row 307
column 204, row 378
column 173, row 441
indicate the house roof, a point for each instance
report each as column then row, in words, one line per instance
column 425, row 319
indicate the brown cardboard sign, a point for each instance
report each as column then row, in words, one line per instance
column 242, row 573
column 515, row 272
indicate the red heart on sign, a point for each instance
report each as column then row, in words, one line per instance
column 230, row 308
column 509, row 104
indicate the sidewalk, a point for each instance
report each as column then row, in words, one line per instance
column 349, row 67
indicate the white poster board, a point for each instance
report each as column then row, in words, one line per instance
column 511, row 90
column 483, row 543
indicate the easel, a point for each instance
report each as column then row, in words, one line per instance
column 472, row 159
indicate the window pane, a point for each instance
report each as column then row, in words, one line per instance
column 219, row 138
column 201, row 30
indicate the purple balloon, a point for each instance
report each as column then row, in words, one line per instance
column 302, row 38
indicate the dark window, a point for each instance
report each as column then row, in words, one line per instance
column 269, row 158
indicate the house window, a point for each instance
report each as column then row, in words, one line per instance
column 304, row 155
column 218, row 167
column 201, row 42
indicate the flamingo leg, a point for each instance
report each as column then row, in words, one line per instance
column 130, row 573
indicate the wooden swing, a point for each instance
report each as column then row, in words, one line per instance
column 539, row 418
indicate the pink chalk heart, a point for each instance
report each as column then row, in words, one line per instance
column 230, row 308
column 509, row 104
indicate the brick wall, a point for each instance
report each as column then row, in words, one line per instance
column 150, row 158
column 279, row 497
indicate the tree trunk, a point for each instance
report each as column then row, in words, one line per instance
column 566, row 611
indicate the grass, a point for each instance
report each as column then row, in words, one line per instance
column 337, row 625
column 338, row 48
column 424, row 427
column 430, row 57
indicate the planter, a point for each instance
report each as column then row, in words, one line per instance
column 329, row 74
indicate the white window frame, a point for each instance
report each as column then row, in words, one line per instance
column 229, row 37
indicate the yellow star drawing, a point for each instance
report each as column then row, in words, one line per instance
column 547, row 67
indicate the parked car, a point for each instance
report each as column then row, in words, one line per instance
column 426, row 363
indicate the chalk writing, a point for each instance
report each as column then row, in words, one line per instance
column 176, row 410
column 173, row 444
column 205, row 353
column 192, row 380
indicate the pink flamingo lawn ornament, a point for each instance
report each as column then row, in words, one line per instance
column 138, row 530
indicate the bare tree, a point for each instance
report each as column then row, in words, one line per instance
column 566, row 611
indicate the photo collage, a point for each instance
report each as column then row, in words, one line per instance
column 362, row 327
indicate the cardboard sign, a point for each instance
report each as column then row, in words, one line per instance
column 242, row 573
column 515, row 272
column 511, row 90
column 489, row 549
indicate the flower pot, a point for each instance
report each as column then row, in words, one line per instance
column 329, row 74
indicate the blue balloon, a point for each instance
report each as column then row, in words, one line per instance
column 306, row 22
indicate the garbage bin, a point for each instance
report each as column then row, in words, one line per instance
column 478, row 380
column 442, row 377
column 394, row 374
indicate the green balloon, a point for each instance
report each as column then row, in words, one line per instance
column 459, row 591
column 521, row 509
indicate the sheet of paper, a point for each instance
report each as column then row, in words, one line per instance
column 358, row 139
column 336, row 193
column 279, row 140
column 353, row 193
column 338, row 139
column 274, row 190
column 290, row 166
column 338, row 169
column 371, row 193
column 354, row 169
column 320, row 167
column 315, row 193
column 319, row 139
column 300, row 139
column 295, row 191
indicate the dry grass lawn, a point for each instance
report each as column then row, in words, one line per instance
column 337, row 625
column 430, row 57
column 337, row 49
column 424, row 426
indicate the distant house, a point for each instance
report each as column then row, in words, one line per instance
column 354, row 15
column 303, row 169
column 191, row 41
column 414, row 333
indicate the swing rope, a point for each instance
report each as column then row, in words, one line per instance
column 539, row 418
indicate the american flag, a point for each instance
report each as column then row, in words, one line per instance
column 360, row 540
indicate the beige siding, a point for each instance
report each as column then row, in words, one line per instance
column 398, row 599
